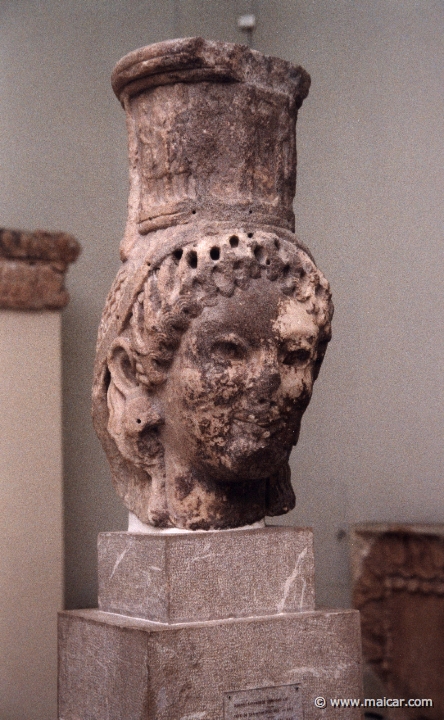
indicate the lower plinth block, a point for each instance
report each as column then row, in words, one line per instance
column 115, row 667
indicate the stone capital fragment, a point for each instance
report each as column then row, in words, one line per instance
column 33, row 267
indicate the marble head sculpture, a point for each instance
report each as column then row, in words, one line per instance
column 218, row 320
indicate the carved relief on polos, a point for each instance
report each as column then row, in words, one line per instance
column 218, row 321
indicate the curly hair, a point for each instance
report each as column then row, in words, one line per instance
column 194, row 278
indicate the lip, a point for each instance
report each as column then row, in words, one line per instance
column 265, row 424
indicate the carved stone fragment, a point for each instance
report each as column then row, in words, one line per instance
column 398, row 586
column 218, row 320
column 32, row 269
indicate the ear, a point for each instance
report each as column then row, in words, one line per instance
column 122, row 367
column 130, row 406
column 123, row 383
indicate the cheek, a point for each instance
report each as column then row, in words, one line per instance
column 297, row 384
column 211, row 386
column 205, row 401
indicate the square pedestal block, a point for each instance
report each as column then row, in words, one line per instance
column 121, row 668
column 200, row 576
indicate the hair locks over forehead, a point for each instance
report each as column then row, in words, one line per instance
column 193, row 277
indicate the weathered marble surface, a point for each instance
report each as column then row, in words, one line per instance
column 33, row 267
column 206, row 576
column 211, row 135
column 210, row 341
column 114, row 667
column 217, row 323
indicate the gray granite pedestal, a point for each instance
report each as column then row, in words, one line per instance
column 207, row 626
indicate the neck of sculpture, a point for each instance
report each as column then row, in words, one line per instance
column 198, row 502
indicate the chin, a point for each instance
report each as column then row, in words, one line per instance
column 240, row 464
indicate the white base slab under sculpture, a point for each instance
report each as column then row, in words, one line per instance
column 31, row 564
column 137, row 526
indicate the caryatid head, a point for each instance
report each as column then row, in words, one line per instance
column 218, row 321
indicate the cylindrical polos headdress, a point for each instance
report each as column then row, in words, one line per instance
column 211, row 135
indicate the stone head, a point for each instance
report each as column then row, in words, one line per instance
column 208, row 378
column 217, row 323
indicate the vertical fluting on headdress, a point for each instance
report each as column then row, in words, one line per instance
column 211, row 135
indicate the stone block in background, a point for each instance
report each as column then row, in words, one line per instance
column 398, row 586
column 175, row 578
column 33, row 267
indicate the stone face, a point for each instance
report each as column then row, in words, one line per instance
column 398, row 586
column 32, row 269
column 216, row 326
column 113, row 667
column 206, row 576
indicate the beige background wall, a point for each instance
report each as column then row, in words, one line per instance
column 368, row 204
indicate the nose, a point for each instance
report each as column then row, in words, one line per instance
column 267, row 380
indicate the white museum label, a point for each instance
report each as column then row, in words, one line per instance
column 282, row 702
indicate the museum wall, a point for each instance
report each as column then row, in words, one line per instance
column 369, row 205
column 370, row 181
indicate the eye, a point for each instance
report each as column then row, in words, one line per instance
column 296, row 357
column 230, row 349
